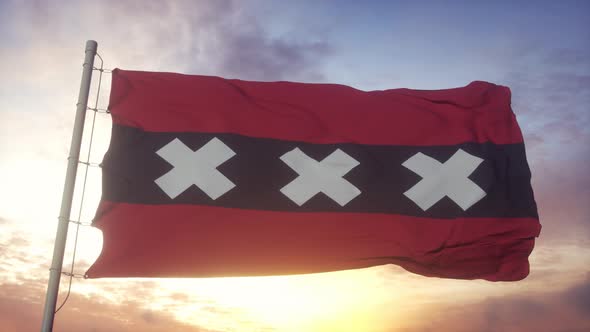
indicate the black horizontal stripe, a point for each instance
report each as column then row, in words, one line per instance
column 131, row 165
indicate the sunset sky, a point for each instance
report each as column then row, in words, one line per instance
column 540, row 49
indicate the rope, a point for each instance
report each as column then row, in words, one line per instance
column 89, row 164
column 106, row 71
column 101, row 69
column 80, row 223
column 98, row 110
column 71, row 273
column 74, row 275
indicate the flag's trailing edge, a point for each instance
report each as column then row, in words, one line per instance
column 209, row 177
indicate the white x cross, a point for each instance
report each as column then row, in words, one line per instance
column 448, row 179
column 195, row 167
column 324, row 176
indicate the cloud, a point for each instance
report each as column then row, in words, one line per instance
column 569, row 56
column 18, row 241
column 194, row 37
column 579, row 296
column 15, row 255
column 550, row 311
column 21, row 311
column 551, row 91
column 207, row 37
column 251, row 55
column 216, row 37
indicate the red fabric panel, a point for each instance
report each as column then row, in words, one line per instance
column 200, row 241
column 315, row 113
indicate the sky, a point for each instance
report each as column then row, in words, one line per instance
column 540, row 49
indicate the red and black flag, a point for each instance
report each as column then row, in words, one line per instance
column 209, row 177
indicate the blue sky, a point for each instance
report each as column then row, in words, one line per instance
column 540, row 49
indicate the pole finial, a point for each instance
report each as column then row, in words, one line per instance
column 91, row 45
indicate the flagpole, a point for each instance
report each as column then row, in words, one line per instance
column 68, row 193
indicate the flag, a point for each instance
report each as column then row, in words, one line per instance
column 210, row 177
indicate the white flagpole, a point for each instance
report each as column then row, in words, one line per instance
column 68, row 194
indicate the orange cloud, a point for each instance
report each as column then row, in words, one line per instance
column 21, row 311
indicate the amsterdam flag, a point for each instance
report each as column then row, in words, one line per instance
column 208, row 177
